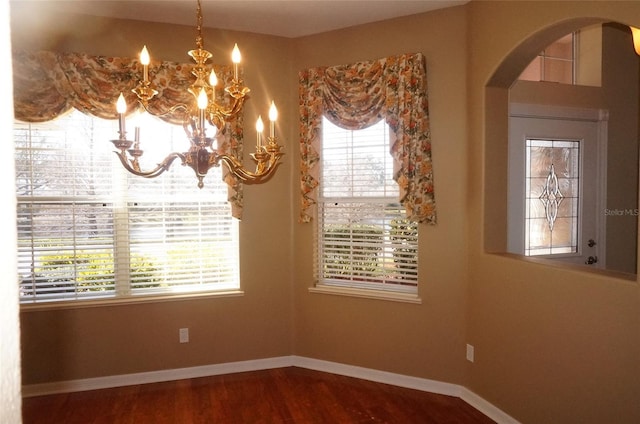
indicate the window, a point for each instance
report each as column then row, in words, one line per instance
column 364, row 240
column 552, row 196
column 556, row 63
column 88, row 229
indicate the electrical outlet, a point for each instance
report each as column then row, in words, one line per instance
column 470, row 353
column 184, row 335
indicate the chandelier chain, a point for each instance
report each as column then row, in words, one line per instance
column 199, row 39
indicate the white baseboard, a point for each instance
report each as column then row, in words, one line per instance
column 400, row 380
column 153, row 376
column 489, row 409
column 423, row 384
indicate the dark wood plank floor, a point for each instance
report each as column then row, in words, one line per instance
column 283, row 395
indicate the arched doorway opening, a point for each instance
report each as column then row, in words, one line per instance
column 620, row 238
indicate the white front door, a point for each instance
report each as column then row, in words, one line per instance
column 555, row 186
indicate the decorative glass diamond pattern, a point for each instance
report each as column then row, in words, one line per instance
column 551, row 197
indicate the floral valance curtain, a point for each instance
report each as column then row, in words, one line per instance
column 48, row 84
column 358, row 95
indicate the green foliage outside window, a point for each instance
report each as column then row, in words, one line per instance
column 361, row 258
column 84, row 272
column 404, row 253
column 358, row 251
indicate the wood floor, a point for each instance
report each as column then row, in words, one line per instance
column 283, row 395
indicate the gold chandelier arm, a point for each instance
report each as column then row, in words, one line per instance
column 266, row 164
column 169, row 112
column 217, row 115
column 133, row 166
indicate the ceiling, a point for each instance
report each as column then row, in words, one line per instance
column 287, row 18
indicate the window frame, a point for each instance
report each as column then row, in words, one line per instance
column 350, row 286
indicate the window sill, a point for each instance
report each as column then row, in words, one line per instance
column 131, row 300
column 366, row 294
column 620, row 275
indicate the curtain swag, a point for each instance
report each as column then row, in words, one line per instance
column 48, row 84
column 358, row 95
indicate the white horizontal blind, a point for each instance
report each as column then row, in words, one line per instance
column 363, row 238
column 87, row 228
column 65, row 224
column 187, row 233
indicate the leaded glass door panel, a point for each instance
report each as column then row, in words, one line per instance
column 553, row 189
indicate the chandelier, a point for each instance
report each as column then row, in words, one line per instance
column 202, row 155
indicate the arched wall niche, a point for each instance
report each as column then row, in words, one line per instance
column 497, row 121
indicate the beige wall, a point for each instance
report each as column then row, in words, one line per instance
column 551, row 344
column 425, row 340
column 620, row 76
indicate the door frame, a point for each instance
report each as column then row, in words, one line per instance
column 563, row 113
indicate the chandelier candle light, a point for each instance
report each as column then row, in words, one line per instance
column 204, row 109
